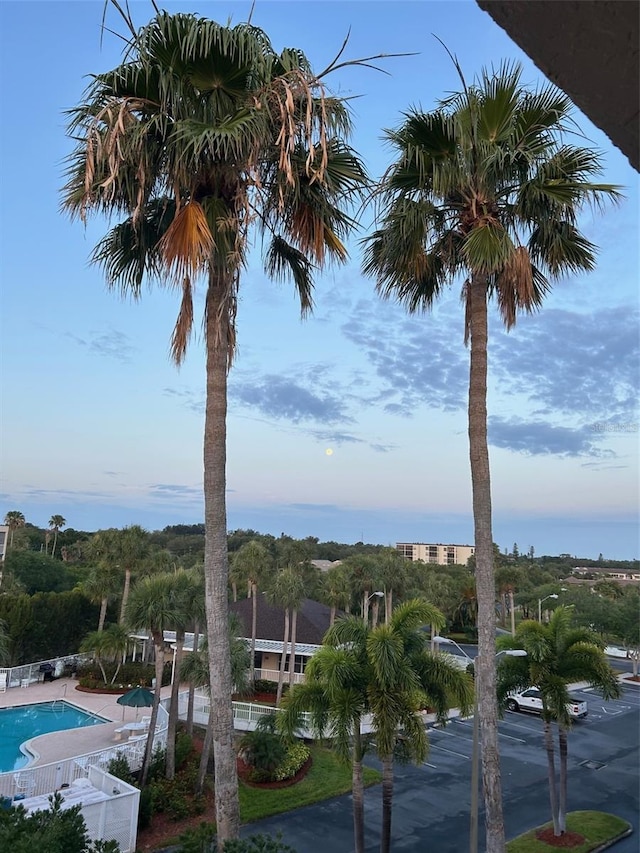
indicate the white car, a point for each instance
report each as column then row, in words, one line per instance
column 531, row 700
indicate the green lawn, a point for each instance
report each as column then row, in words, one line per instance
column 328, row 777
column 596, row 827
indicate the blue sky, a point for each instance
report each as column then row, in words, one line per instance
column 350, row 425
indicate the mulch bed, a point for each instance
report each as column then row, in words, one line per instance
column 565, row 841
column 244, row 771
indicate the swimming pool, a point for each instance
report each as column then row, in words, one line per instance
column 23, row 722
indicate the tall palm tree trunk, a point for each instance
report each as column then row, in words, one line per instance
column 103, row 613
column 375, row 610
column 357, row 789
column 551, row 772
column 387, row 803
column 388, row 605
column 205, row 755
column 332, row 615
column 562, row 794
column 173, row 707
column 283, row 659
column 158, row 641
column 485, row 583
column 216, row 574
column 192, row 687
column 125, row 593
column 292, row 656
column 254, row 630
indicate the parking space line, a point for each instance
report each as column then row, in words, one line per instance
column 451, row 752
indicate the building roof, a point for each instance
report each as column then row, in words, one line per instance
column 313, row 620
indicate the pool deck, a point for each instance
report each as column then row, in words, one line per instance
column 57, row 745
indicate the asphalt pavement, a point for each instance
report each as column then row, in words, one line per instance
column 432, row 802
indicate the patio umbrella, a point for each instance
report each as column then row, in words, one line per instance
column 139, row 697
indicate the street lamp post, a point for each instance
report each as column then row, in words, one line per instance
column 540, row 600
column 475, row 752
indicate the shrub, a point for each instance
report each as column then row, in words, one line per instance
column 145, row 809
column 119, row 767
column 203, row 840
column 184, row 749
column 297, row 755
column 263, row 751
column 263, row 685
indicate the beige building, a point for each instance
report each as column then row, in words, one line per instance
column 4, row 541
column 442, row 555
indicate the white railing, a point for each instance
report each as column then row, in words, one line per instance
column 45, row 778
column 109, row 806
column 30, row 672
column 274, row 675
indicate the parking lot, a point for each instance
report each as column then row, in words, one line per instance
column 431, row 802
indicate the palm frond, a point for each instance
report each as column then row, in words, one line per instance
column 284, row 259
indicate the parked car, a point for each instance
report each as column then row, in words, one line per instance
column 531, row 700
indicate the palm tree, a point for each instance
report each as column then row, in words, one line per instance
column 558, row 655
column 487, row 189
column 13, row 519
column 391, row 575
column 252, row 563
column 101, row 587
column 55, row 523
column 152, row 605
column 195, row 669
column 133, row 549
column 201, row 133
column 287, row 591
column 507, row 580
column 335, row 590
column 186, row 593
column 387, row 672
column 107, row 646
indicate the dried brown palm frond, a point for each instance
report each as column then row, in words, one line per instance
column 514, row 286
column 187, row 244
column 105, row 151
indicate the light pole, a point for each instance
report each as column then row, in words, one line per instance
column 540, row 600
column 473, row 821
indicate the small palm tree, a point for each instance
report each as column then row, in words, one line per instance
column 56, row 522
column 485, row 190
column 152, row 605
column 385, row 671
column 287, row 591
column 14, row 519
column 252, row 562
column 133, row 548
column 107, row 647
column 558, row 655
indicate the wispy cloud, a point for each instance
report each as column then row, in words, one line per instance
column 281, row 397
column 566, row 362
column 535, row 438
column 109, row 344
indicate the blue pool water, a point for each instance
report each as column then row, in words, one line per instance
column 23, row 722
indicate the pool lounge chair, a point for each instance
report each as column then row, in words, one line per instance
column 3, row 682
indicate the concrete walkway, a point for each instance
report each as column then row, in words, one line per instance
column 57, row 745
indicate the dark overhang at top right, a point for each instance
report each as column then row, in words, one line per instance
column 590, row 50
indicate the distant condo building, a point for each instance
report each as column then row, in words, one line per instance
column 442, row 555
